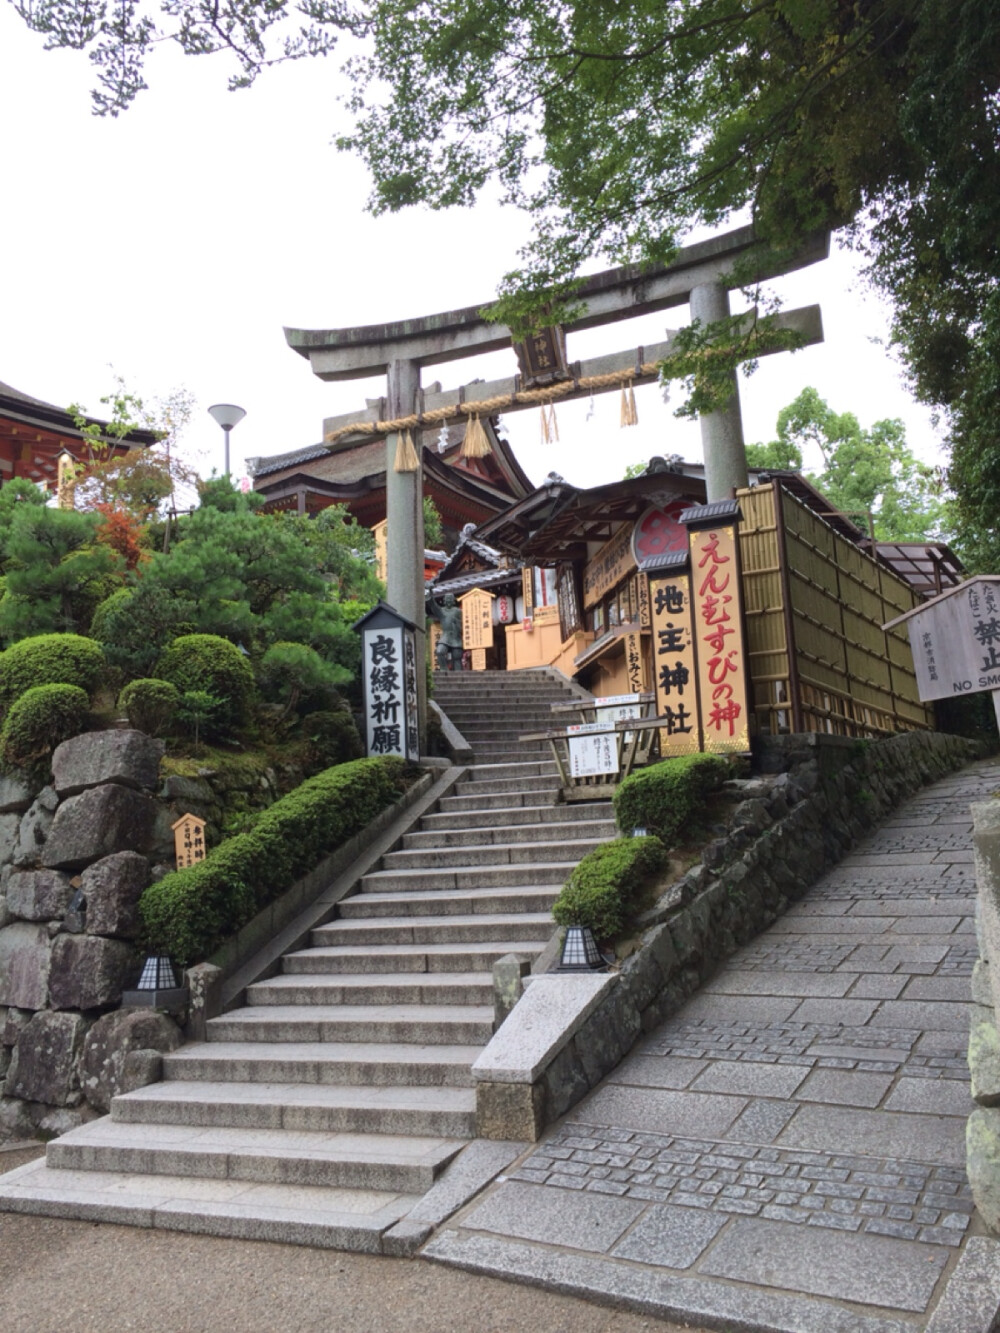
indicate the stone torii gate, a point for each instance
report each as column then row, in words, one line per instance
column 701, row 276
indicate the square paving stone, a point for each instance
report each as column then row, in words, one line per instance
column 657, row 1071
column 670, row 1237
column 872, row 1270
column 850, row 1013
column 750, row 1078
column 660, row 1112
column 873, row 986
column 920, row 1138
column 737, row 982
column 931, row 1096
column 584, row 1220
column 925, row 925
column 938, row 988
column 706, row 1008
column 843, row 1087
column 761, row 1122
column 921, row 1014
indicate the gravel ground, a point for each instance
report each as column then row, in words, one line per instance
column 89, row 1277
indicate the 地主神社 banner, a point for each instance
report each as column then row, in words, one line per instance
column 674, row 669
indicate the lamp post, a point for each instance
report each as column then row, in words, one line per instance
column 227, row 415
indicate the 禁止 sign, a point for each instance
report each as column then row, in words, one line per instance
column 955, row 639
column 389, row 675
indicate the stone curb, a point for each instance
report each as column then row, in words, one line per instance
column 971, row 1299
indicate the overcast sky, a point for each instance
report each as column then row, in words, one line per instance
column 175, row 242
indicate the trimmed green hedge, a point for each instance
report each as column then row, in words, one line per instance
column 149, row 704
column 49, row 659
column 189, row 913
column 662, row 797
column 213, row 664
column 602, row 890
column 41, row 719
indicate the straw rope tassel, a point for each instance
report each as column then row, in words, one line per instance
column 475, row 444
column 406, row 459
column 550, row 424
column 629, row 416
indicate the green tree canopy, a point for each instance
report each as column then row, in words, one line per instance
column 621, row 124
column 861, row 471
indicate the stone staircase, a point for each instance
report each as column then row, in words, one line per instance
column 321, row 1111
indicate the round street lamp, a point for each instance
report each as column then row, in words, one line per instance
column 227, row 415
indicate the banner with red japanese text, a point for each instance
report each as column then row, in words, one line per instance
column 674, row 673
column 719, row 639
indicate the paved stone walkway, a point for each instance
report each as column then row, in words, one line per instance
column 787, row 1151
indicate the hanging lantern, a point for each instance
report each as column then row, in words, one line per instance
column 503, row 609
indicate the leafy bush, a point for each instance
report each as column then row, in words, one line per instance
column 204, row 662
column 662, row 797
column 332, row 739
column 49, row 659
column 135, row 625
column 150, row 704
column 296, row 676
column 189, row 913
column 43, row 717
column 604, row 887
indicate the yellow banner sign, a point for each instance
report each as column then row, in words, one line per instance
column 477, row 619
column 609, row 566
column 718, row 630
column 674, row 671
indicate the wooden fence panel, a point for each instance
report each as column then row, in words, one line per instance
column 807, row 585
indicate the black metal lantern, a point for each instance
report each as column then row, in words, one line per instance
column 580, row 952
column 157, row 986
column 157, row 974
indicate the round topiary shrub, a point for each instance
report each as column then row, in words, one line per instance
column 43, row 717
column 332, row 738
column 150, row 704
column 49, row 659
column 295, row 676
column 206, row 664
column 106, row 611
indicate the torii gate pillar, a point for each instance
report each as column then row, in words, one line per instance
column 721, row 431
column 404, row 512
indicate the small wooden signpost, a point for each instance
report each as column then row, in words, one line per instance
column 189, row 840
column 477, row 625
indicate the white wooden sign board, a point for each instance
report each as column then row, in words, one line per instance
column 955, row 641
column 593, row 750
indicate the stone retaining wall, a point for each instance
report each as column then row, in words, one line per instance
column 817, row 796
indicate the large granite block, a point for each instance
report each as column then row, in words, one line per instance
column 38, row 895
column 670, row 1237
column 128, row 757
column 108, row 1068
column 34, row 827
column 99, row 821
column 112, row 888
column 583, row 1221
column 46, row 1063
column 551, row 1010
column 89, row 971
column 25, row 961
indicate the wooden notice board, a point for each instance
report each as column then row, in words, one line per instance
column 477, row 619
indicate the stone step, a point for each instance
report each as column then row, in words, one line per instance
column 409, row 1024
column 495, row 854
column 421, row 902
column 336, row 1219
column 465, row 877
column 599, row 830
column 444, row 1112
column 396, row 1163
column 502, row 799
column 493, row 752
column 507, row 816
column 449, row 988
column 391, row 1063
column 505, row 929
column 535, row 786
column 432, row 958
column 512, row 771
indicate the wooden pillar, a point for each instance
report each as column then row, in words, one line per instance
column 405, row 524
column 721, row 431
